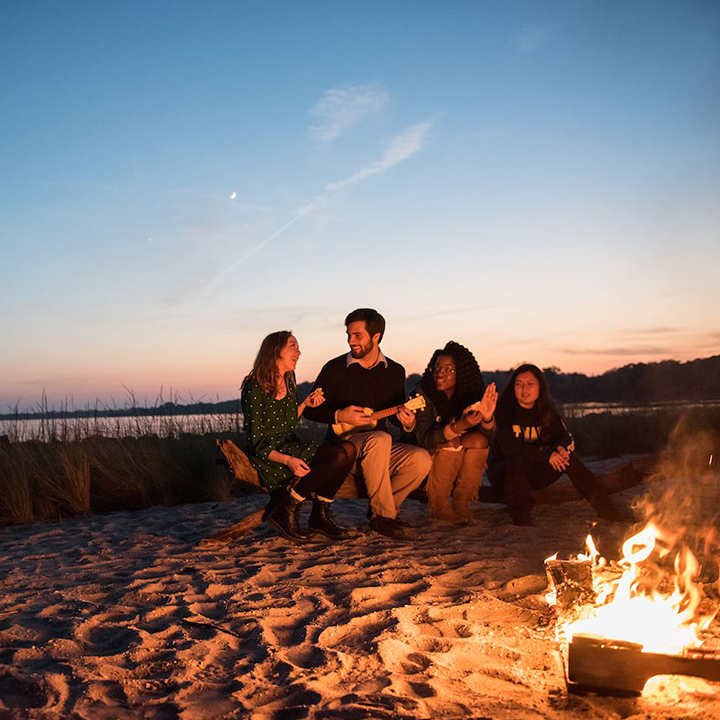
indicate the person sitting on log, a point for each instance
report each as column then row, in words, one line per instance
column 455, row 427
column 288, row 467
column 533, row 448
column 356, row 383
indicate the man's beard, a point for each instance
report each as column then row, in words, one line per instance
column 362, row 351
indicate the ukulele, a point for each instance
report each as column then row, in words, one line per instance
column 342, row 429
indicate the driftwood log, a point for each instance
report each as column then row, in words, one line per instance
column 618, row 478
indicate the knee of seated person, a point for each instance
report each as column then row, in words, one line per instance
column 423, row 459
column 348, row 452
column 378, row 438
column 475, row 440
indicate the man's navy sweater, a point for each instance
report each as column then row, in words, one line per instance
column 378, row 388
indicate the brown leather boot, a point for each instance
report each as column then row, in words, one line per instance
column 444, row 470
column 468, row 481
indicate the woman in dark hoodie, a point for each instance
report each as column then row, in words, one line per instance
column 533, row 448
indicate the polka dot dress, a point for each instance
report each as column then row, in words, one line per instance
column 270, row 425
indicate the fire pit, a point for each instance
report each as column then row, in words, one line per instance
column 619, row 624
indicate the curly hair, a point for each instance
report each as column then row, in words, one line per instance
column 508, row 405
column 469, row 383
column 264, row 370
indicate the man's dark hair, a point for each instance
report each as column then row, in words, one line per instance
column 374, row 321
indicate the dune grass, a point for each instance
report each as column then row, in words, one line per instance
column 41, row 480
column 605, row 435
column 58, row 468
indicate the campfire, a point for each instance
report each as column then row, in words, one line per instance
column 620, row 623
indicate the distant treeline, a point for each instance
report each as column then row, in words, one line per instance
column 664, row 381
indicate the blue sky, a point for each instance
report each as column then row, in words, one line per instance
column 537, row 180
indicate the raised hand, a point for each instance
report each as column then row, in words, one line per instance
column 487, row 405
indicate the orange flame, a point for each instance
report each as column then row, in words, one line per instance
column 639, row 602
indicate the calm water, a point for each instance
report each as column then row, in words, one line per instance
column 133, row 426
column 591, row 408
column 124, row 426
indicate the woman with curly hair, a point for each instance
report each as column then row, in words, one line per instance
column 288, row 467
column 455, row 427
column 533, row 448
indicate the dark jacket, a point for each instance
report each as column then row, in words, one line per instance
column 430, row 425
column 522, row 434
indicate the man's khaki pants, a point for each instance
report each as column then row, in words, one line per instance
column 391, row 471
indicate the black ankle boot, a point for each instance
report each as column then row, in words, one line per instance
column 284, row 518
column 321, row 521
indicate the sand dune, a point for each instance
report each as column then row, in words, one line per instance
column 121, row 616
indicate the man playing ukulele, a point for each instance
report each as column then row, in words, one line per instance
column 365, row 378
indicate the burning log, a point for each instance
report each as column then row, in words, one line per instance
column 571, row 585
column 614, row 667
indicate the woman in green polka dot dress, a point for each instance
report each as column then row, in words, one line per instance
column 288, row 467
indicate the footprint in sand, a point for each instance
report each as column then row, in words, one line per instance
column 415, row 663
column 26, row 693
column 106, row 639
column 306, row 657
column 434, row 645
column 423, row 690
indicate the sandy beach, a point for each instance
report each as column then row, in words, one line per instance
column 122, row 616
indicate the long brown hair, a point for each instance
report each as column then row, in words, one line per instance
column 264, row 370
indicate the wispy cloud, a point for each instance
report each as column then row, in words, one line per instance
column 623, row 351
column 340, row 108
column 402, row 147
column 405, row 145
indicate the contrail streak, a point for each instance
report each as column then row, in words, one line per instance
column 232, row 267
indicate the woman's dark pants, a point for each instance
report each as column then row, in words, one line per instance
column 329, row 467
column 518, row 475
